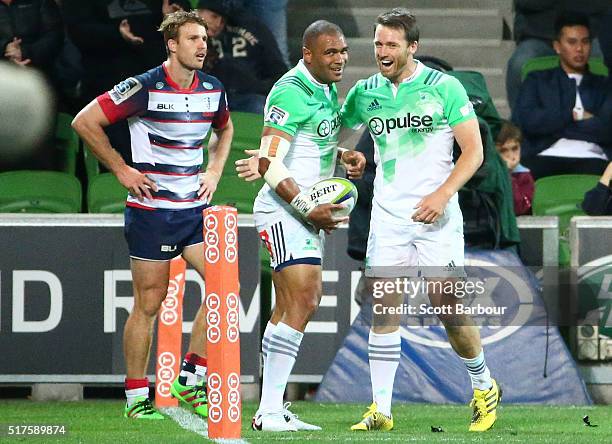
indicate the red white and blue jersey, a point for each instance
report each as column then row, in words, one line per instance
column 167, row 128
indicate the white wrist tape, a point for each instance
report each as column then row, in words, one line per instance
column 302, row 204
column 274, row 148
column 341, row 151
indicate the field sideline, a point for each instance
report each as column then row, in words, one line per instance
column 93, row 421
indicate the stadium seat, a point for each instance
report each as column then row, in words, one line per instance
column 232, row 190
column 596, row 65
column 39, row 192
column 67, row 142
column 105, row 194
column 92, row 166
column 561, row 196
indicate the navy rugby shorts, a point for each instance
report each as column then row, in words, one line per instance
column 161, row 234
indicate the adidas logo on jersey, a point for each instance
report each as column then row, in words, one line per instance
column 450, row 267
column 374, row 105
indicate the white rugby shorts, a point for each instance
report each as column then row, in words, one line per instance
column 289, row 239
column 427, row 250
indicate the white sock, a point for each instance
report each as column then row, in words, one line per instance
column 200, row 372
column 384, row 352
column 282, row 351
column 478, row 371
column 268, row 332
column 193, row 370
column 133, row 394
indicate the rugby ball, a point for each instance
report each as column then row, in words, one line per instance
column 334, row 190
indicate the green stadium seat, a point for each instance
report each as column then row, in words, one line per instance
column 105, row 194
column 561, row 196
column 67, row 142
column 232, row 190
column 92, row 166
column 39, row 192
column 596, row 65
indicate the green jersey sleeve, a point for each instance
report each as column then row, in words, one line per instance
column 350, row 112
column 457, row 107
column 286, row 109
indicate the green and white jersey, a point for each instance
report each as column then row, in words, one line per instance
column 411, row 126
column 308, row 111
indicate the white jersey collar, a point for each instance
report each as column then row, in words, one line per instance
column 302, row 68
column 417, row 71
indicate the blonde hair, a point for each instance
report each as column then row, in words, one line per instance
column 172, row 23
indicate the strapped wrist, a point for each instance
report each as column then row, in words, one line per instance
column 341, row 152
column 302, row 204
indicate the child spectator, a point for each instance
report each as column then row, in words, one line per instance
column 508, row 145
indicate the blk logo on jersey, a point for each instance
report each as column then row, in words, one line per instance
column 416, row 124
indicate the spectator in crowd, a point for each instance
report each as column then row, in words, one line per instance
column 563, row 112
column 242, row 54
column 116, row 38
column 605, row 38
column 534, row 32
column 31, row 32
column 273, row 14
column 598, row 201
column 31, row 36
column 508, row 145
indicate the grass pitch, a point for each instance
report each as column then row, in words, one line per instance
column 102, row 422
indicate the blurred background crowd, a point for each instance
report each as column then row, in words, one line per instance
column 557, row 118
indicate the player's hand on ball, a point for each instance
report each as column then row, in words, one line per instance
column 138, row 184
column 208, row 185
column 431, row 207
column 247, row 169
column 354, row 162
column 322, row 217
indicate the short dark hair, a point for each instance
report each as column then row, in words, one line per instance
column 508, row 131
column 400, row 18
column 172, row 22
column 320, row 27
column 571, row 18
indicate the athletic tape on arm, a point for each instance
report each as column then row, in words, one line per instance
column 341, row 152
column 274, row 148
